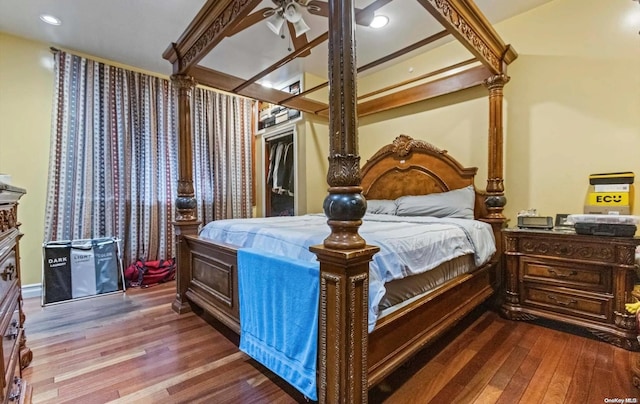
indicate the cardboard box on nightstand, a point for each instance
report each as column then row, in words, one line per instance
column 610, row 193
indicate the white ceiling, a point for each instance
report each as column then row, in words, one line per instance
column 137, row 32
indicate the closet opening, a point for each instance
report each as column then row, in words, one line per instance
column 280, row 172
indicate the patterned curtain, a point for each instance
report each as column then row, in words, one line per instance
column 202, row 112
column 222, row 128
column 113, row 162
column 239, row 161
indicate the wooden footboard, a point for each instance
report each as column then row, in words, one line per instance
column 213, row 284
column 213, row 287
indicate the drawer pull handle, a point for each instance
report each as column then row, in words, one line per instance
column 561, row 274
column 7, row 273
column 16, row 391
column 562, row 302
column 12, row 330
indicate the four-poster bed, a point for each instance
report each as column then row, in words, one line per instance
column 349, row 358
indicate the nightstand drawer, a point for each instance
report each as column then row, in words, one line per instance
column 576, row 304
column 587, row 248
column 595, row 278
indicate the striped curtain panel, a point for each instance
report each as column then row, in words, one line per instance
column 239, row 160
column 222, row 129
column 203, row 116
column 113, row 166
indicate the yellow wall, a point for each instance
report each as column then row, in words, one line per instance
column 573, row 101
column 572, row 105
column 26, row 95
column 317, row 150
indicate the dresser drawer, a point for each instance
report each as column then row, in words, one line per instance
column 586, row 277
column 7, row 272
column 575, row 303
column 15, row 388
column 10, row 337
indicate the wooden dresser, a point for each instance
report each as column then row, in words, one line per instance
column 576, row 279
column 15, row 354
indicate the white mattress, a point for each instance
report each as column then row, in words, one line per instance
column 408, row 245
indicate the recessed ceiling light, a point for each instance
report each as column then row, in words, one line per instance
column 267, row 84
column 379, row 21
column 49, row 19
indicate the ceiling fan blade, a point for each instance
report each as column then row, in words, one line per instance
column 363, row 16
column 298, row 42
column 249, row 20
column 366, row 15
column 318, row 8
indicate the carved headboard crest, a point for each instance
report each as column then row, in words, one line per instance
column 414, row 167
column 403, row 145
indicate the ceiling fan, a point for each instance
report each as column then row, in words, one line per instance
column 289, row 10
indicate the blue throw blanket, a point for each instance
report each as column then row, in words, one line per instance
column 279, row 315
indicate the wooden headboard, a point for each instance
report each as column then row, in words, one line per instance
column 414, row 167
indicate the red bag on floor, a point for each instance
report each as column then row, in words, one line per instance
column 146, row 273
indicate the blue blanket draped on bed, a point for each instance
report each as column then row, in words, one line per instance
column 279, row 315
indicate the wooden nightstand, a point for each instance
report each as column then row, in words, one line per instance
column 572, row 278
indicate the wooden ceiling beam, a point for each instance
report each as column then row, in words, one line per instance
column 317, row 41
column 460, row 81
column 214, row 22
column 226, row 82
column 214, row 79
column 385, row 59
column 418, row 78
column 405, row 50
column 465, row 21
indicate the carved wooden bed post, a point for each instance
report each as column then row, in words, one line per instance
column 496, row 200
column 344, row 257
column 463, row 19
column 186, row 218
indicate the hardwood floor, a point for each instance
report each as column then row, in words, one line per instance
column 133, row 348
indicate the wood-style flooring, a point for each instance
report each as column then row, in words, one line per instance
column 132, row 348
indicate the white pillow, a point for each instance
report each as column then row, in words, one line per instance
column 381, row 206
column 458, row 203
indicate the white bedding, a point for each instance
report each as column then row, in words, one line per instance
column 408, row 245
